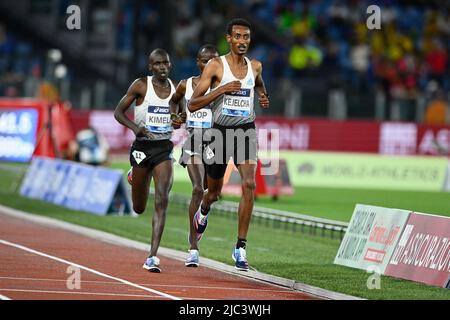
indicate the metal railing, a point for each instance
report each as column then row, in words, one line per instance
column 278, row 218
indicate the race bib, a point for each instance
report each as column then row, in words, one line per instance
column 158, row 119
column 237, row 104
column 199, row 119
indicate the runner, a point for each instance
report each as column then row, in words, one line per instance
column 233, row 80
column 151, row 152
column 192, row 151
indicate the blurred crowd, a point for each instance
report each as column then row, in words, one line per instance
column 332, row 37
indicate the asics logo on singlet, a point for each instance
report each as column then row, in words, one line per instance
column 160, row 110
column 241, row 93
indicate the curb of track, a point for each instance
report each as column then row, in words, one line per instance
column 178, row 255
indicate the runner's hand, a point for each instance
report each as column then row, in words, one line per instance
column 177, row 121
column 232, row 86
column 143, row 132
column 183, row 116
column 264, row 100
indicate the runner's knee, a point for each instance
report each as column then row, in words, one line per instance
column 213, row 195
column 197, row 192
column 249, row 184
column 139, row 209
column 161, row 201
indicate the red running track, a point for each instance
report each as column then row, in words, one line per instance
column 34, row 262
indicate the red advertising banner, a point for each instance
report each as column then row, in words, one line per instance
column 423, row 251
column 396, row 138
column 323, row 135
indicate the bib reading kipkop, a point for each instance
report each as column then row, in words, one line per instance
column 199, row 119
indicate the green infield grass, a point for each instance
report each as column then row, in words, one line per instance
column 272, row 248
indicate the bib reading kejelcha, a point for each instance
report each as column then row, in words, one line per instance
column 237, row 104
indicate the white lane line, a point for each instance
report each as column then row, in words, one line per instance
column 152, row 284
column 4, row 297
column 87, row 293
column 82, row 293
column 18, row 246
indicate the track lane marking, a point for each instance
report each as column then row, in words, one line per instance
column 155, row 285
column 18, row 246
column 80, row 292
column 2, row 297
column 87, row 293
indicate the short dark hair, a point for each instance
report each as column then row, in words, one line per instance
column 237, row 22
column 206, row 47
column 159, row 52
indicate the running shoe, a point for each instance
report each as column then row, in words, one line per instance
column 192, row 259
column 152, row 264
column 200, row 223
column 130, row 176
column 240, row 258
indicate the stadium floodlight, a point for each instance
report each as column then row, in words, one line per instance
column 60, row 71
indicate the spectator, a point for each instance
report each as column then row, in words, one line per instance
column 437, row 60
column 89, row 147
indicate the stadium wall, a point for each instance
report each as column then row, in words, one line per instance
column 388, row 138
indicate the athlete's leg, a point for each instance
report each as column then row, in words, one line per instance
column 213, row 194
column 140, row 188
column 247, row 171
column 163, row 177
column 196, row 173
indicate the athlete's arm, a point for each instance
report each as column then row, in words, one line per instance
column 260, row 87
column 134, row 92
column 179, row 93
column 199, row 99
column 175, row 100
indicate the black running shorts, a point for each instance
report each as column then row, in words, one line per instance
column 150, row 153
column 237, row 142
column 193, row 146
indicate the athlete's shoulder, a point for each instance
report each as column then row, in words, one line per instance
column 256, row 63
column 215, row 62
column 140, row 81
column 139, row 85
column 183, row 82
column 182, row 85
column 174, row 82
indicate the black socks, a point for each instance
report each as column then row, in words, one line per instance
column 241, row 243
column 203, row 211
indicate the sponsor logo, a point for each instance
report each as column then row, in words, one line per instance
column 154, row 109
column 374, row 255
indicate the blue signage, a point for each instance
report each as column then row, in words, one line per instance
column 17, row 134
column 76, row 186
